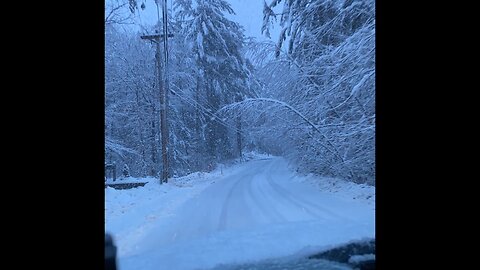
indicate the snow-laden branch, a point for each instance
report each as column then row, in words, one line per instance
column 332, row 148
column 278, row 102
column 115, row 13
column 118, row 148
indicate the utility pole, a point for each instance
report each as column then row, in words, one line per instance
column 162, row 85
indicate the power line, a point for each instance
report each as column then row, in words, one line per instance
column 206, row 111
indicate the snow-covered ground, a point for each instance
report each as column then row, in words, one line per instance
column 341, row 188
column 248, row 212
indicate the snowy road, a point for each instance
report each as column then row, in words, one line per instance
column 256, row 212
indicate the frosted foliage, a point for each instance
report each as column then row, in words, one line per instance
column 309, row 96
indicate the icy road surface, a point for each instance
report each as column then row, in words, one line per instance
column 253, row 213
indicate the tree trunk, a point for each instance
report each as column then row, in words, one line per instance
column 239, row 136
column 163, row 117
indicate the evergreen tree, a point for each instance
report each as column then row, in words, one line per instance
column 222, row 76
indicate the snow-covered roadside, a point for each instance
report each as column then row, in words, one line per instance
column 340, row 188
column 129, row 213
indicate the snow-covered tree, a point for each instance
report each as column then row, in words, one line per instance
column 216, row 43
column 318, row 94
column 309, row 97
column 330, row 60
column 130, row 107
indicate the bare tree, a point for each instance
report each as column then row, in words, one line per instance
column 116, row 12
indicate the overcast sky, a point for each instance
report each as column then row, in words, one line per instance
column 249, row 13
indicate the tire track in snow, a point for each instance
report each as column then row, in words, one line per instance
column 309, row 207
column 222, row 224
column 244, row 186
column 271, row 212
column 227, row 204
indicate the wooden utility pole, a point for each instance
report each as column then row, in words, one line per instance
column 162, row 82
column 157, row 38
